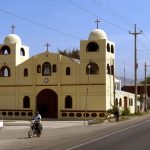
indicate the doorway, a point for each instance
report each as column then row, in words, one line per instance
column 47, row 103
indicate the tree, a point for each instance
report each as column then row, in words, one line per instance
column 148, row 81
column 74, row 53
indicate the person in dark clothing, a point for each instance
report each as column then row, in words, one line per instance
column 116, row 113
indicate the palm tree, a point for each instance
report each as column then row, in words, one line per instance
column 74, row 53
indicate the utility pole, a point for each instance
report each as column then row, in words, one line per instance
column 145, row 88
column 87, row 92
column 114, row 85
column 135, row 33
column 124, row 74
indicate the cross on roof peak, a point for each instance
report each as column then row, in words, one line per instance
column 13, row 28
column 47, row 46
column 97, row 22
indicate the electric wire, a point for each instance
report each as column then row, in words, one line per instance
column 93, row 14
column 113, row 13
column 143, row 45
column 39, row 24
column 123, row 19
column 85, row 10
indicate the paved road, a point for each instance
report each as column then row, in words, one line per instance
column 130, row 134
column 135, row 137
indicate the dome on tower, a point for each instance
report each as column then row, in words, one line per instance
column 11, row 39
column 97, row 34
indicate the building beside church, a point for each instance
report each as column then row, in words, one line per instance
column 144, row 102
column 58, row 86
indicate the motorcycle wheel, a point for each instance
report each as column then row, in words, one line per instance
column 30, row 134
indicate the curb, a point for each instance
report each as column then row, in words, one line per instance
column 16, row 123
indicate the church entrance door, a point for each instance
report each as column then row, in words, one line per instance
column 47, row 103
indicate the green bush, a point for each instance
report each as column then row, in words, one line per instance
column 110, row 111
column 125, row 112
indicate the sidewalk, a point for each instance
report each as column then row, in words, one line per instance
column 16, row 123
column 63, row 124
column 48, row 123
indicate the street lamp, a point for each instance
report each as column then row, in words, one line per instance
column 89, row 71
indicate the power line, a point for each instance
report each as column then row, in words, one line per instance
column 113, row 13
column 146, row 37
column 146, row 48
column 58, row 31
column 39, row 24
column 55, row 30
column 92, row 14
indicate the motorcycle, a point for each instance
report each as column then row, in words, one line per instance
column 35, row 129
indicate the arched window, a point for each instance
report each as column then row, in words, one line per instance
column 92, row 68
column 22, row 52
column 68, row 102
column 112, row 69
column 46, row 69
column 38, row 69
column 25, row 72
column 131, row 102
column 108, row 69
column 26, row 102
column 54, row 68
column 92, row 47
column 117, row 102
column 5, row 71
column 68, row 71
column 120, row 102
column 5, row 50
column 108, row 47
column 112, row 49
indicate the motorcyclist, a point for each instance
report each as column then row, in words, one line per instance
column 37, row 121
column 37, row 117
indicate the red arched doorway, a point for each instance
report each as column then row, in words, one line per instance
column 47, row 103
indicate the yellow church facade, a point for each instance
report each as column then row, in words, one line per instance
column 55, row 85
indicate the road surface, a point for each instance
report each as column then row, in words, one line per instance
column 125, row 135
column 135, row 137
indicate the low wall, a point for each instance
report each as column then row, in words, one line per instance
column 15, row 114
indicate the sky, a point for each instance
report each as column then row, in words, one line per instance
column 63, row 23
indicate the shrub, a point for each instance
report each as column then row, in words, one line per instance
column 125, row 112
column 110, row 111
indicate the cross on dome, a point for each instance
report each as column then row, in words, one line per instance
column 13, row 28
column 97, row 21
column 47, row 46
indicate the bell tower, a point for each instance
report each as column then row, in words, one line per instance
column 98, row 53
column 13, row 50
column 12, row 53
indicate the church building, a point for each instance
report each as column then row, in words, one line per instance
column 55, row 85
